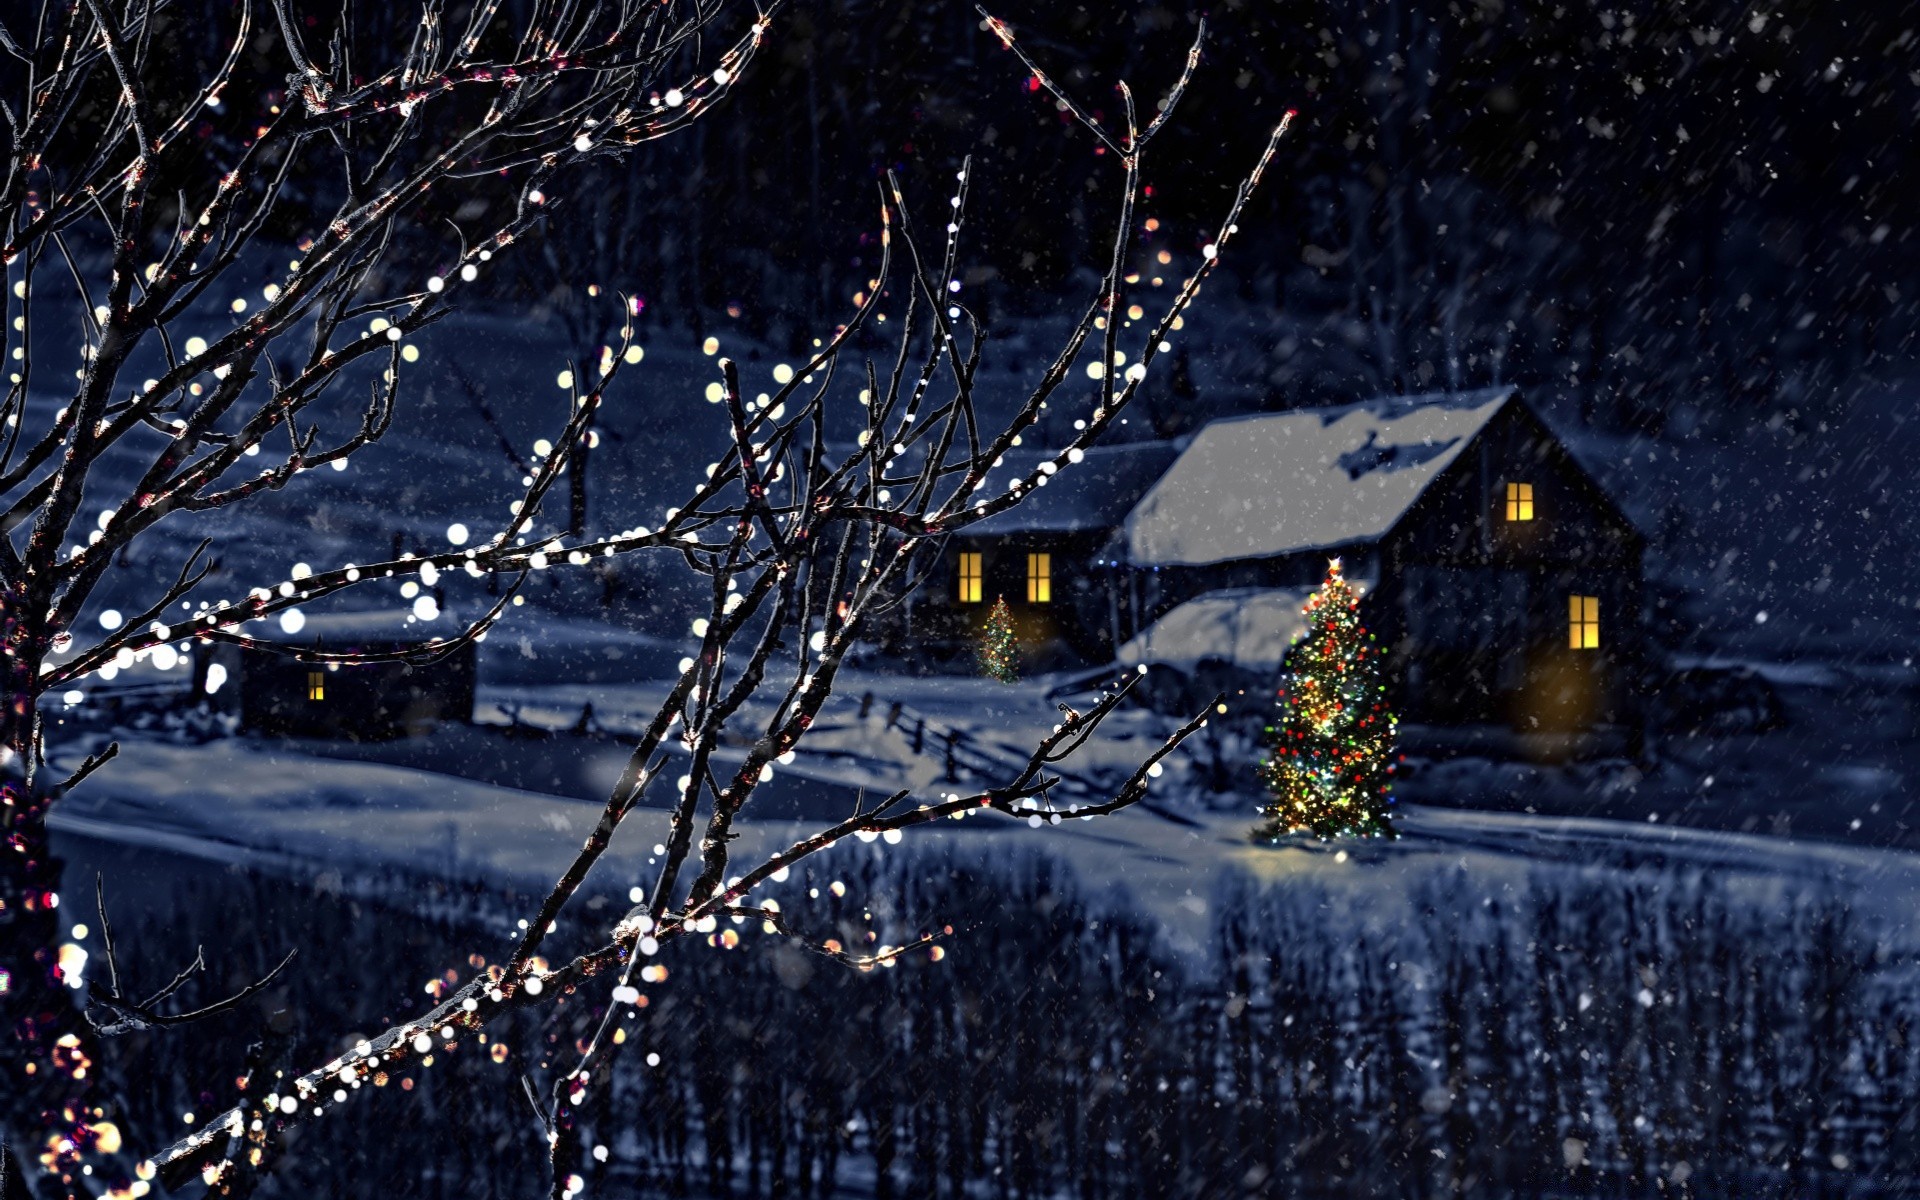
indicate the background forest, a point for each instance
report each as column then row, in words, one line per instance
column 1675, row 212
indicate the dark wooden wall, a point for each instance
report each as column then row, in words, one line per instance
column 364, row 703
column 1472, row 607
column 1074, row 629
column 1475, row 608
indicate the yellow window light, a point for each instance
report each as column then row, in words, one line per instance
column 1583, row 622
column 1519, row 502
column 970, row 577
column 1039, row 579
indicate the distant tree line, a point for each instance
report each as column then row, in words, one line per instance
column 1673, row 210
column 1644, row 204
column 1568, row 1033
column 1651, row 205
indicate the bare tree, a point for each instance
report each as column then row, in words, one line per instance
column 587, row 255
column 131, row 188
column 802, row 541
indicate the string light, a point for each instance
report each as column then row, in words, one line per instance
column 999, row 648
column 1330, row 765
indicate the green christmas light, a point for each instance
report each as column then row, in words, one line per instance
column 999, row 650
column 1330, row 764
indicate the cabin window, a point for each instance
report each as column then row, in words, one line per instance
column 316, row 685
column 970, row 574
column 1039, row 579
column 1583, row 622
column 1519, row 502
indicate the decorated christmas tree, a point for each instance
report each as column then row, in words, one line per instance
column 998, row 650
column 1330, row 764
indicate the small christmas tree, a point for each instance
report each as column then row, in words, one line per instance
column 1331, row 750
column 999, row 649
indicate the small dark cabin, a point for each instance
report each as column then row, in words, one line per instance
column 277, row 694
column 1046, row 556
column 1505, row 581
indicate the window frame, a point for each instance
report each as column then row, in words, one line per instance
column 972, row 576
column 1040, row 577
column 1520, row 504
column 1583, row 622
column 316, row 685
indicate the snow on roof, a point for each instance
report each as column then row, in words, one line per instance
column 1251, row 487
column 1248, row 627
column 1093, row 494
column 372, row 627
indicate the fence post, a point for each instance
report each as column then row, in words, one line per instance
column 866, row 704
column 953, row 767
column 919, row 734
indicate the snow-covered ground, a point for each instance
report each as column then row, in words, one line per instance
column 1820, row 809
column 511, row 803
column 1779, row 542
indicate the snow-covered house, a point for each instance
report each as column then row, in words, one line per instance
column 1502, row 578
column 275, row 693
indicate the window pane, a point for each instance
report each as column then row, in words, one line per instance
column 1039, row 579
column 970, row 581
column 1583, row 622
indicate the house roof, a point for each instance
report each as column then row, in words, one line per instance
column 1281, row 483
column 1093, row 494
column 383, row 628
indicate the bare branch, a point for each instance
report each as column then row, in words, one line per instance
column 124, row 1015
column 803, row 543
column 92, row 763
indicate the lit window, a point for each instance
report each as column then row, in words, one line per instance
column 1039, row 579
column 1583, row 622
column 970, row 578
column 1519, row 502
column 316, row 685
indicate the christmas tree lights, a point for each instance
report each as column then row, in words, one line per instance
column 1330, row 765
column 999, row 650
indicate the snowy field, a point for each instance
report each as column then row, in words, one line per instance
column 302, row 814
column 509, row 799
column 1815, row 817
column 1818, row 605
column 1570, row 986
